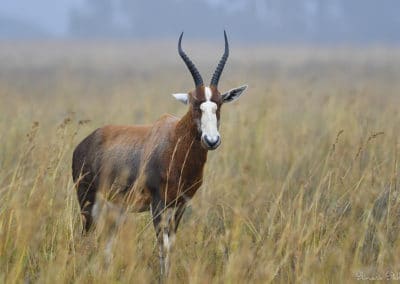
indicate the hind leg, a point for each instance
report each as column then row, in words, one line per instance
column 115, row 217
column 86, row 197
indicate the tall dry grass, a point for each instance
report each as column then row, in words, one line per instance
column 304, row 187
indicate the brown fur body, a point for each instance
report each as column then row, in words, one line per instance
column 133, row 165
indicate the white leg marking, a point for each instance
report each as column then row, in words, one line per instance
column 167, row 247
column 109, row 250
column 162, row 261
column 163, row 255
column 96, row 210
column 168, row 238
column 166, row 242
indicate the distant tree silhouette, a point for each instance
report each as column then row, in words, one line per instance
column 95, row 19
column 256, row 20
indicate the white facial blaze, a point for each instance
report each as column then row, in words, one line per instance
column 209, row 117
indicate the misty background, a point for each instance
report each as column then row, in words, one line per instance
column 280, row 21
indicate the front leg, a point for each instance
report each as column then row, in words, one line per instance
column 169, row 224
column 166, row 221
column 178, row 213
column 158, row 213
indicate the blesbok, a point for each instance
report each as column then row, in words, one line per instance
column 156, row 167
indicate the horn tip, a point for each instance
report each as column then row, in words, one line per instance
column 180, row 41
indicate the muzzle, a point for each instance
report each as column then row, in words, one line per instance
column 210, row 142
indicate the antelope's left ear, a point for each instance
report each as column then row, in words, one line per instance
column 233, row 94
column 183, row 98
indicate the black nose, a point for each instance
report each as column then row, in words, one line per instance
column 211, row 142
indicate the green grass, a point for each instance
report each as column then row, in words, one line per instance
column 304, row 187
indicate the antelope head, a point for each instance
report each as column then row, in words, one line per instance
column 205, row 101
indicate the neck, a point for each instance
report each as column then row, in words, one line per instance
column 187, row 133
column 187, row 157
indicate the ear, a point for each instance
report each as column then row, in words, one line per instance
column 183, row 98
column 233, row 94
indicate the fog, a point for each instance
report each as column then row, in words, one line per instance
column 280, row 21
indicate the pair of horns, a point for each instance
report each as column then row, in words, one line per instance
column 198, row 81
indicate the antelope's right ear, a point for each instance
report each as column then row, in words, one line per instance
column 183, row 98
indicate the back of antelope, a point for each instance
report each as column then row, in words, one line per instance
column 156, row 167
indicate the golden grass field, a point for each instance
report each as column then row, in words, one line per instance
column 304, row 187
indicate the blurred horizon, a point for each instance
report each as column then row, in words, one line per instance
column 254, row 21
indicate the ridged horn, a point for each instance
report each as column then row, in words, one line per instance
column 221, row 64
column 198, row 81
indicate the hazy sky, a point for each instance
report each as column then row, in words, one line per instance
column 327, row 21
column 51, row 15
